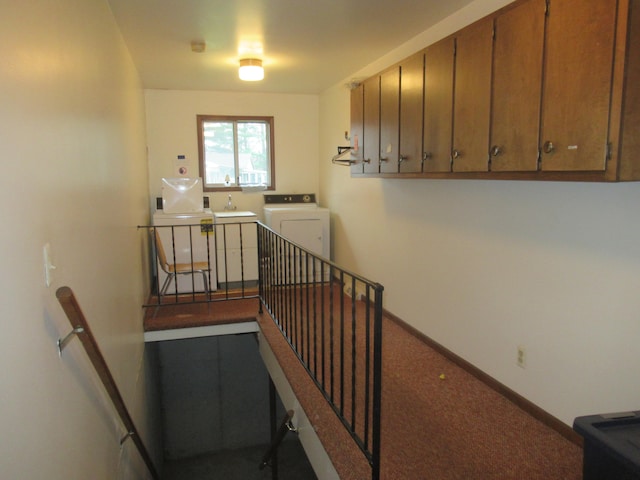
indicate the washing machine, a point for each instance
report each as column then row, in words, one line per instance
column 185, row 234
column 190, row 237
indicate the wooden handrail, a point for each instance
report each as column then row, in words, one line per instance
column 81, row 328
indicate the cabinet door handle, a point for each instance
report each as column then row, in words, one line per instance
column 403, row 158
column 548, row 147
column 383, row 159
column 495, row 151
column 366, row 160
column 456, row 154
column 426, row 156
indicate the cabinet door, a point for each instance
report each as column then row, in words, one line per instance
column 389, row 120
column 371, row 142
column 472, row 100
column 411, row 89
column 357, row 128
column 438, row 105
column 517, row 87
column 577, row 84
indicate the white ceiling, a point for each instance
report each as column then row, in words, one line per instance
column 308, row 45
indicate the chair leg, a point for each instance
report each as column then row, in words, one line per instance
column 206, row 282
column 166, row 283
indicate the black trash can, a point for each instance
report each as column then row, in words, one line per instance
column 611, row 445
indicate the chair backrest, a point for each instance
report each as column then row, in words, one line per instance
column 162, row 257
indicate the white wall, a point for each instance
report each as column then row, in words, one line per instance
column 484, row 266
column 172, row 131
column 75, row 176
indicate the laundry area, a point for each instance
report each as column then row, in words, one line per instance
column 487, row 185
column 196, row 249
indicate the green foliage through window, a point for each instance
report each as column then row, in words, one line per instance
column 235, row 152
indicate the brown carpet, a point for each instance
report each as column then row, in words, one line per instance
column 185, row 315
column 458, row 428
column 432, row 428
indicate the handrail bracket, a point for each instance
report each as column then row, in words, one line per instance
column 62, row 342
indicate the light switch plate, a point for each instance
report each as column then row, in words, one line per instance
column 48, row 265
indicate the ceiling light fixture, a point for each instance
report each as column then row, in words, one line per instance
column 251, row 70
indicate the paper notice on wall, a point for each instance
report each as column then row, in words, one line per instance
column 206, row 227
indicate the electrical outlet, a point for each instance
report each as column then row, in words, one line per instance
column 521, row 358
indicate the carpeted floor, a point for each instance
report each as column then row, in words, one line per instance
column 432, row 428
column 458, row 428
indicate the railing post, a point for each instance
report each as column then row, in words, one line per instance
column 377, row 384
column 274, row 427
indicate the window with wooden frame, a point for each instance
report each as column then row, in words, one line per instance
column 236, row 152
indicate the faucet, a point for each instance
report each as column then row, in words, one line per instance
column 229, row 206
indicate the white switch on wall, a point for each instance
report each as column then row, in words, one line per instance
column 49, row 267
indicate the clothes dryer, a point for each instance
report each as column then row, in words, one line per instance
column 299, row 219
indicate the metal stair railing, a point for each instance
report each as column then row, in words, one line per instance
column 332, row 319
column 285, row 427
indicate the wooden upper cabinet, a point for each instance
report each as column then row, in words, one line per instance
column 538, row 90
column 411, row 89
column 357, row 128
column 371, row 142
column 517, row 87
column 580, row 42
column 390, row 120
column 438, row 105
column 472, row 98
